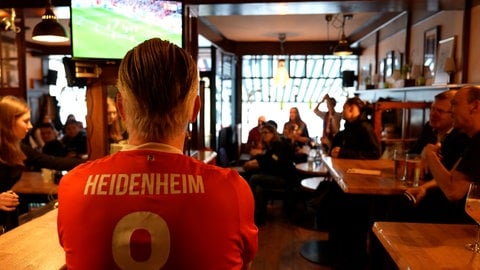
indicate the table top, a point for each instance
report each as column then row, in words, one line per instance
column 33, row 245
column 207, row 156
column 428, row 246
column 311, row 183
column 321, row 170
column 360, row 183
column 33, row 183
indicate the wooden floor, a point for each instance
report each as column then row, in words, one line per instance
column 280, row 240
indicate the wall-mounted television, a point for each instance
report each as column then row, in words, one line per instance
column 107, row 29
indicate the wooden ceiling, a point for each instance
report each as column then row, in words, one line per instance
column 242, row 25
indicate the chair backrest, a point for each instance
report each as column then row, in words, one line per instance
column 226, row 144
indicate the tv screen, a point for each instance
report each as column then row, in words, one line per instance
column 107, row 29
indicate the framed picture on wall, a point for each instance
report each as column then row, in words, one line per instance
column 381, row 70
column 446, row 51
column 430, row 43
column 389, row 61
column 397, row 60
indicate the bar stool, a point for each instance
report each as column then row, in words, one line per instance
column 316, row 251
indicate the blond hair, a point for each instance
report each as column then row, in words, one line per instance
column 158, row 82
column 115, row 129
column 12, row 108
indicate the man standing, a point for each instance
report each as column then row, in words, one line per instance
column 149, row 206
column 331, row 121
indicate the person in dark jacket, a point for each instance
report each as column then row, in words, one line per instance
column 274, row 169
column 430, row 203
column 357, row 140
column 15, row 156
column 53, row 146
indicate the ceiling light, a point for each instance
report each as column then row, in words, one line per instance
column 49, row 29
column 343, row 48
column 281, row 77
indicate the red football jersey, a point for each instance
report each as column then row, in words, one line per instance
column 155, row 209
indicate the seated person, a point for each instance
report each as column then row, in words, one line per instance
column 16, row 157
column 454, row 183
column 204, row 221
column 301, row 132
column 116, row 132
column 74, row 140
column 440, row 129
column 52, row 146
column 388, row 148
column 254, row 141
column 273, row 169
column 431, row 204
column 289, row 136
column 357, row 140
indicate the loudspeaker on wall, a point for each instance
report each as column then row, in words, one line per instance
column 348, row 77
column 52, row 77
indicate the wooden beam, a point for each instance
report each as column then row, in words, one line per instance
column 37, row 49
column 273, row 48
column 32, row 4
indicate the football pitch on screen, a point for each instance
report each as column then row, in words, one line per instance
column 111, row 35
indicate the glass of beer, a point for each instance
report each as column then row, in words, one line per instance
column 472, row 208
column 399, row 167
column 414, row 170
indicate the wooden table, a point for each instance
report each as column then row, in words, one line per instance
column 428, row 246
column 33, row 183
column 311, row 183
column 33, row 245
column 353, row 183
column 321, row 170
column 207, row 156
column 363, row 198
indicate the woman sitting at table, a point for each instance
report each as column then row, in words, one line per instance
column 348, row 240
column 274, row 169
column 357, row 140
column 301, row 132
column 14, row 156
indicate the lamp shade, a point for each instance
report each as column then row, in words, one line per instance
column 342, row 49
column 281, row 77
column 49, row 29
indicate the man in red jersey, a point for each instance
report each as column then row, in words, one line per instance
column 149, row 206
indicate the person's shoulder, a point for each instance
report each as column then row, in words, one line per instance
column 362, row 121
column 458, row 134
column 253, row 130
column 476, row 136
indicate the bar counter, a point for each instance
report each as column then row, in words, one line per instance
column 33, row 245
column 33, row 183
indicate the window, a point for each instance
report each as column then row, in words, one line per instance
column 311, row 77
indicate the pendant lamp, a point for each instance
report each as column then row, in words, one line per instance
column 343, row 48
column 49, row 29
column 281, row 76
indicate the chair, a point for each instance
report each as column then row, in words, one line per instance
column 226, row 147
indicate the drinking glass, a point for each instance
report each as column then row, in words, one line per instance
column 414, row 170
column 399, row 157
column 472, row 207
